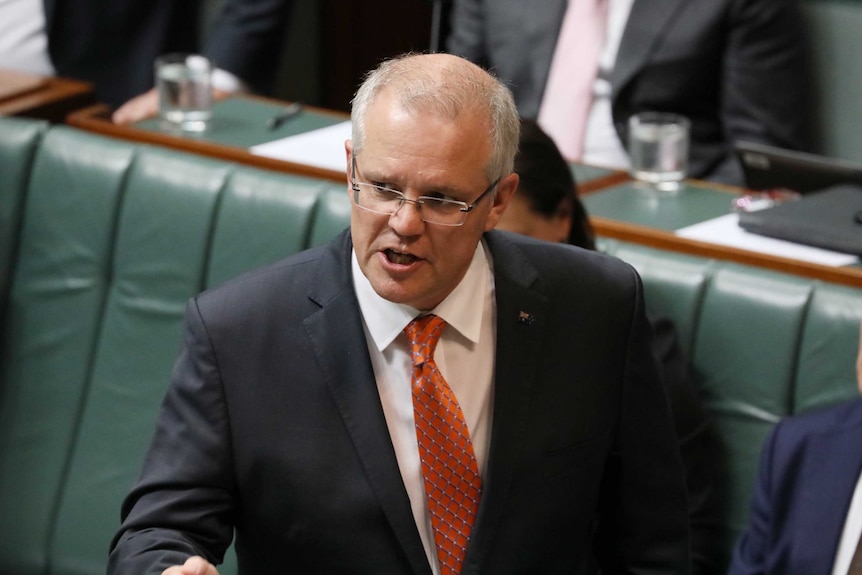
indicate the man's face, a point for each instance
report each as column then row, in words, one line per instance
column 407, row 260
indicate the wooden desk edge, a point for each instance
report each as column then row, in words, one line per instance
column 97, row 119
column 52, row 101
column 594, row 185
column 668, row 241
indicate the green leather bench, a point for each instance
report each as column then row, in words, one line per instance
column 763, row 345
column 103, row 241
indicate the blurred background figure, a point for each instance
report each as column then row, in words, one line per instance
column 546, row 206
column 806, row 512
column 114, row 44
column 735, row 69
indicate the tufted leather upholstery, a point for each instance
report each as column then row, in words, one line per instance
column 114, row 238
column 103, row 241
column 763, row 345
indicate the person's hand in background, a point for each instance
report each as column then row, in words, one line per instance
column 193, row 566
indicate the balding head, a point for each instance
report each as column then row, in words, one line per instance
column 448, row 87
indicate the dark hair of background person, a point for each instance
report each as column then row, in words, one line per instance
column 548, row 184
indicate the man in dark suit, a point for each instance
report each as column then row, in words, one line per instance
column 114, row 44
column 290, row 416
column 735, row 68
column 806, row 513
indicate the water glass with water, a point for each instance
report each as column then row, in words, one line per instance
column 184, row 84
column 658, row 148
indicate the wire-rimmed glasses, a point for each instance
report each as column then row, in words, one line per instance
column 433, row 210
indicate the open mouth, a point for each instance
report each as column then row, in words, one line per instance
column 399, row 258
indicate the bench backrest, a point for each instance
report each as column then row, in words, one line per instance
column 762, row 345
column 114, row 239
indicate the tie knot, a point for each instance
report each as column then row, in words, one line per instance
column 424, row 333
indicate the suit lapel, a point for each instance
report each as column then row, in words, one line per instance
column 520, row 311
column 338, row 338
column 647, row 23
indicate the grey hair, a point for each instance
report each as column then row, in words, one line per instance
column 446, row 90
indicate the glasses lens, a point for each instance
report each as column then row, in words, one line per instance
column 443, row 212
column 385, row 201
column 376, row 199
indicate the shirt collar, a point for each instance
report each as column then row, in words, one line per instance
column 462, row 309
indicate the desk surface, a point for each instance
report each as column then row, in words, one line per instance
column 42, row 97
column 628, row 212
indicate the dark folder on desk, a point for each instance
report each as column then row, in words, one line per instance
column 830, row 219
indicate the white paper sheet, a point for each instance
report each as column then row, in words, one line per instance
column 323, row 148
column 725, row 230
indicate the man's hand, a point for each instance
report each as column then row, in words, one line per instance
column 193, row 566
column 138, row 108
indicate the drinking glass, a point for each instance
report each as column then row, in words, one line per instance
column 658, row 148
column 184, row 84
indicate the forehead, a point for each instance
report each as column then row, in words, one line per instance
column 399, row 138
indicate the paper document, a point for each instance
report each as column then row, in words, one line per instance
column 323, row 148
column 725, row 230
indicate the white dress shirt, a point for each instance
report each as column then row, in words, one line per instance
column 23, row 39
column 602, row 146
column 851, row 533
column 464, row 355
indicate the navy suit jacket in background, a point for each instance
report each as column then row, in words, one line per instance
column 809, row 467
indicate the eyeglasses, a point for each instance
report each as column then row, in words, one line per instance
column 433, row 210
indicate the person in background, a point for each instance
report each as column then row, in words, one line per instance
column 309, row 397
column 546, row 206
column 806, row 511
column 735, row 68
column 114, row 44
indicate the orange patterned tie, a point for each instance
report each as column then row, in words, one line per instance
column 452, row 482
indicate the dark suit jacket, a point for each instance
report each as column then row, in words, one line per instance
column 736, row 68
column 273, row 423
column 114, row 44
column 808, row 471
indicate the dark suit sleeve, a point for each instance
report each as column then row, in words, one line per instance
column 765, row 84
column 246, row 39
column 752, row 549
column 697, row 446
column 183, row 502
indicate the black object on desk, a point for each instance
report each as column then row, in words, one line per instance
column 830, row 219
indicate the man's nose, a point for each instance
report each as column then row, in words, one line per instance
column 407, row 219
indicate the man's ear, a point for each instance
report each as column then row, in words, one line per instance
column 348, row 152
column 505, row 190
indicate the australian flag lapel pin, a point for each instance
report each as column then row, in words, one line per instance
column 525, row 318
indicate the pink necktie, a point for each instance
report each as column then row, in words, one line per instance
column 452, row 482
column 569, row 89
